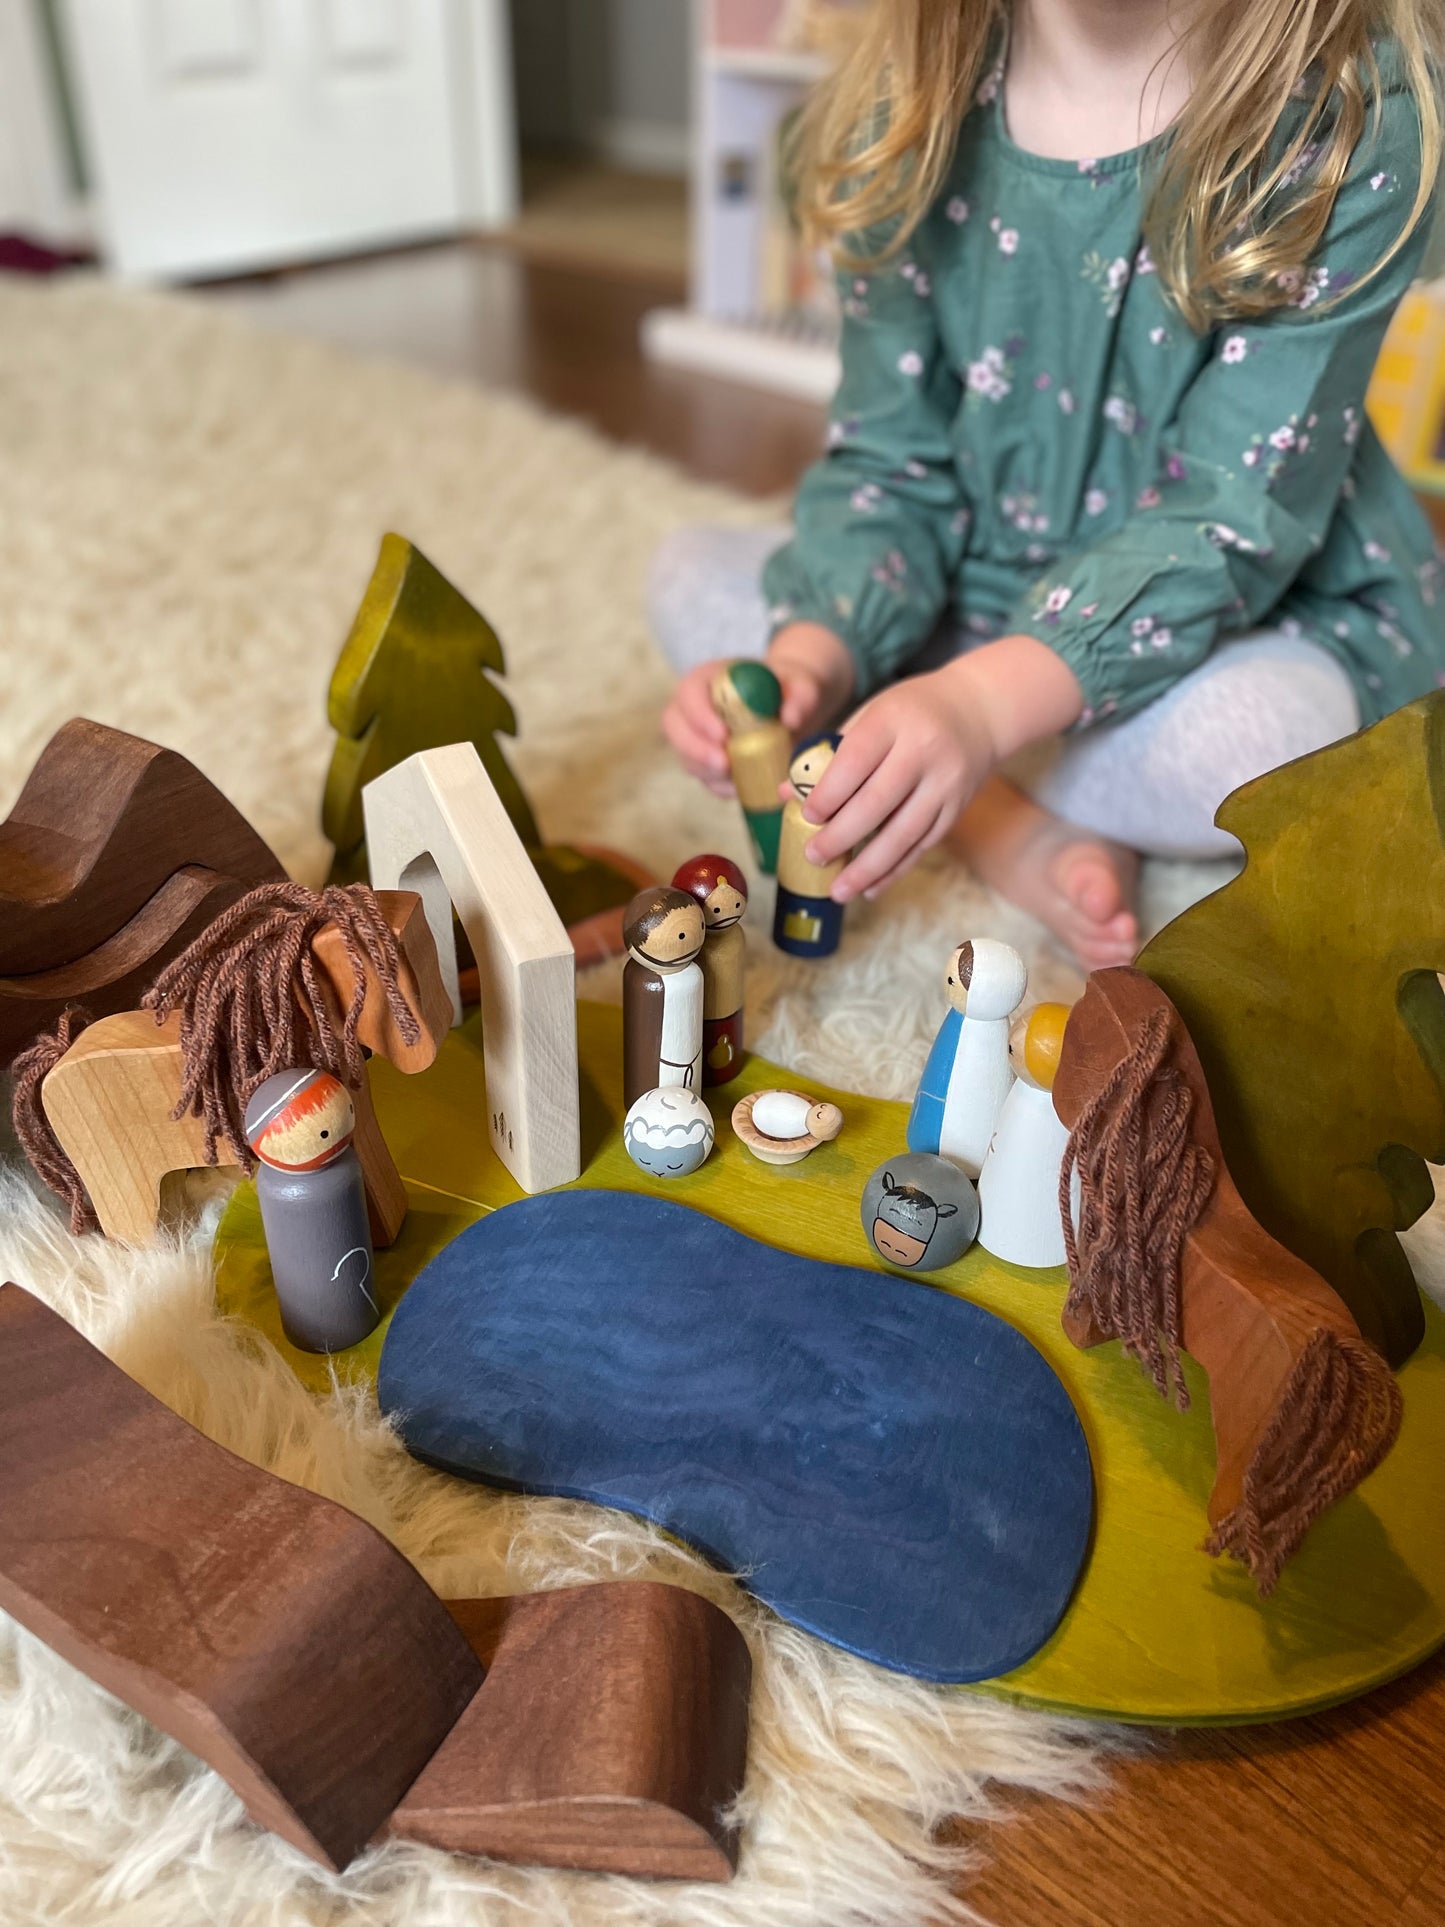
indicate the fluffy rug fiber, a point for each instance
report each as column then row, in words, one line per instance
column 189, row 512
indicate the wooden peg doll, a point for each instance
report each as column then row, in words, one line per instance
column 748, row 696
column 806, row 921
column 662, row 992
column 968, row 1074
column 1018, row 1188
column 313, row 1207
column 722, row 890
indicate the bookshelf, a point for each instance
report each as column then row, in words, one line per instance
column 759, row 311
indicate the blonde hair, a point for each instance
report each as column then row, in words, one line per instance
column 1233, row 216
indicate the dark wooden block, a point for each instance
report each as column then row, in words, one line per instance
column 273, row 1633
column 610, row 1735
column 889, row 1466
column 103, row 820
column 295, row 1651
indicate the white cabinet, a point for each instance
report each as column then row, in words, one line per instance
column 225, row 135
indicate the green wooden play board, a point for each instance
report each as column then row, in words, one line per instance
column 1157, row 1632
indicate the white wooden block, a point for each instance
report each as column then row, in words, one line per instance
column 436, row 822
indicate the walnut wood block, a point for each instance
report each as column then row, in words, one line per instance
column 276, row 1635
column 103, row 820
column 610, row 1735
column 115, row 974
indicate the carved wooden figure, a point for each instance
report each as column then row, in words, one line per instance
column 1309, row 985
column 1303, row 1407
column 748, row 696
column 435, row 824
column 722, row 890
column 968, row 1073
column 1018, row 1188
column 662, row 993
column 300, row 1124
column 806, row 921
column 115, row 857
column 108, row 1114
column 287, row 1644
column 782, row 1127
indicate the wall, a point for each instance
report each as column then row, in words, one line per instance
column 613, row 76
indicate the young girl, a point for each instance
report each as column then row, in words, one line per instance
column 1099, row 484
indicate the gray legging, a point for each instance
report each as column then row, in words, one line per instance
column 1152, row 782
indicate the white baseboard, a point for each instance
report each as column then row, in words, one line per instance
column 760, row 354
column 642, row 146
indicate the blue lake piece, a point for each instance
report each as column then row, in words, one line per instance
column 885, row 1465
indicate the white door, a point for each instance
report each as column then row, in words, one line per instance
column 224, row 135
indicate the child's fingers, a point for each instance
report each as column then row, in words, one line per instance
column 890, row 786
column 693, row 699
column 942, row 824
column 865, row 744
column 896, row 845
column 706, row 760
column 800, row 700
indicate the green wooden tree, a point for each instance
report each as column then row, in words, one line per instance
column 414, row 674
column 1309, row 986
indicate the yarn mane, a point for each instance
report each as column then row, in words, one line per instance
column 1143, row 1185
column 252, row 1000
column 1144, row 1181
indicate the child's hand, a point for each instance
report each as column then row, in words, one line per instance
column 916, row 753
column 816, row 672
column 697, row 733
column 909, row 761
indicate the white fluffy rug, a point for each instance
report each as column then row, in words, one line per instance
column 188, row 515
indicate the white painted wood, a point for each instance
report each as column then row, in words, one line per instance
column 36, row 195
column 680, row 1052
column 982, row 1070
column 234, row 134
column 1018, row 1188
column 436, row 821
column 486, row 114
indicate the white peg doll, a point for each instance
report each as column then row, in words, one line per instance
column 1018, row 1190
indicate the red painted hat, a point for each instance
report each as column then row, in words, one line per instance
column 701, row 875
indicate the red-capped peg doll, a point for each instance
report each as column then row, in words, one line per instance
column 722, row 890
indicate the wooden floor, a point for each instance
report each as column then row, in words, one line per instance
column 1336, row 1821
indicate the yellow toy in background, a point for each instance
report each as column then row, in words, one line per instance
column 1406, row 401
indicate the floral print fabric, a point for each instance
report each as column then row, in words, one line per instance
column 1029, row 437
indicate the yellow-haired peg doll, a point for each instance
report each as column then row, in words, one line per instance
column 1018, row 1188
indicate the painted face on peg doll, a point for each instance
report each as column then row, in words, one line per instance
column 809, row 763
column 719, row 886
column 664, row 929
column 300, row 1120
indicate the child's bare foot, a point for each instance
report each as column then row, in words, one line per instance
column 1080, row 886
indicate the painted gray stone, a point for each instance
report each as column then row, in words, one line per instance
column 919, row 1211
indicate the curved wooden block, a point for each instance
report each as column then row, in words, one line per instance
column 103, row 820
column 114, row 975
column 610, row 1734
column 276, row 1635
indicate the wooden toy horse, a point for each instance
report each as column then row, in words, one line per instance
column 287, row 976
column 1164, row 1255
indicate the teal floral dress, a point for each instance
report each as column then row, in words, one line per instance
column 1029, row 439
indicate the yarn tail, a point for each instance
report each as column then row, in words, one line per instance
column 32, row 1127
column 1337, row 1417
